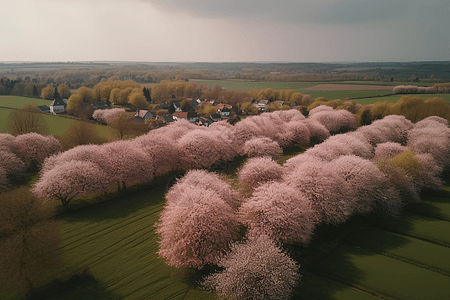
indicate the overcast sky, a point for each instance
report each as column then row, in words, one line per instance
column 225, row 30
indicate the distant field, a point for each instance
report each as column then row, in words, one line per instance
column 251, row 85
column 394, row 83
column 394, row 98
column 18, row 102
column 348, row 87
column 331, row 95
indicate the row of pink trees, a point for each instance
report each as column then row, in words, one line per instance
column 200, row 225
column 26, row 151
column 354, row 173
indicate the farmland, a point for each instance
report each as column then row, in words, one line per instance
column 365, row 259
column 357, row 90
column 58, row 125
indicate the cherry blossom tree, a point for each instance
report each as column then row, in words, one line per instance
column 320, row 108
column 203, row 179
column 12, row 165
column 177, row 129
column 370, row 188
column 277, row 210
column 91, row 153
column 162, row 152
column 256, row 269
column 33, row 148
column 6, row 141
column 393, row 128
column 294, row 162
column 291, row 115
column 324, row 186
column 317, row 132
column 429, row 121
column 335, row 120
column 294, row 132
column 203, row 148
column 341, row 144
column 126, row 164
column 429, row 177
column 434, row 140
column 257, row 171
column 262, row 146
column 374, row 135
column 246, row 130
column 107, row 115
column 388, row 150
column 196, row 229
column 69, row 180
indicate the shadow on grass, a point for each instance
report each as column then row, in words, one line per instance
column 119, row 205
column 90, row 290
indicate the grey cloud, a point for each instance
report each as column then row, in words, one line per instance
column 309, row 11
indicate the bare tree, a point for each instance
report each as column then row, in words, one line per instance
column 25, row 120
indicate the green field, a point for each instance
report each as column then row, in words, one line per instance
column 331, row 95
column 58, row 125
column 394, row 98
column 251, row 85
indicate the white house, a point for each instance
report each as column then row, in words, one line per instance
column 57, row 106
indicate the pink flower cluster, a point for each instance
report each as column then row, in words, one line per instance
column 199, row 220
column 18, row 153
column 108, row 115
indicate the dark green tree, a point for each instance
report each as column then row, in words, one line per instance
column 35, row 91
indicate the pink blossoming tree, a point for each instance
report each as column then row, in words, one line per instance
column 69, row 180
column 255, row 270
column 324, row 186
column 196, row 229
column 370, row 188
column 33, row 148
column 126, row 164
column 262, row 146
column 277, row 210
column 206, row 180
column 257, row 171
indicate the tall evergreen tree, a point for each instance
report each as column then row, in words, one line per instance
column 35, row 91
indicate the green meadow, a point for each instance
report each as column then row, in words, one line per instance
column 366, row 258
column 240, row 85
column 58, row 125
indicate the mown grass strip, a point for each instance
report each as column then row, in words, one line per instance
column 313, row 286
column 411, row 250
column 385, row 276
column 418, row 226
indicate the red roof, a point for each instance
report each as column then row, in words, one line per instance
column 180, row 115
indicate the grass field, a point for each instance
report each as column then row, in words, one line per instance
column 330, row 95
column 394, row 98
column 250, row 85
column 379, row 259
column 57, row 125
column 18, row 102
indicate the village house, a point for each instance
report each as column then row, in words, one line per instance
column 224, row 109
column 44, row 108
column 100, row 105
column 57, row 106
column 141, row 115
column 191, row 116
column 261, row 105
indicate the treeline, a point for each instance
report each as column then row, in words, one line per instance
column 413, row 108
column 440, row 88
column 20, row 88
